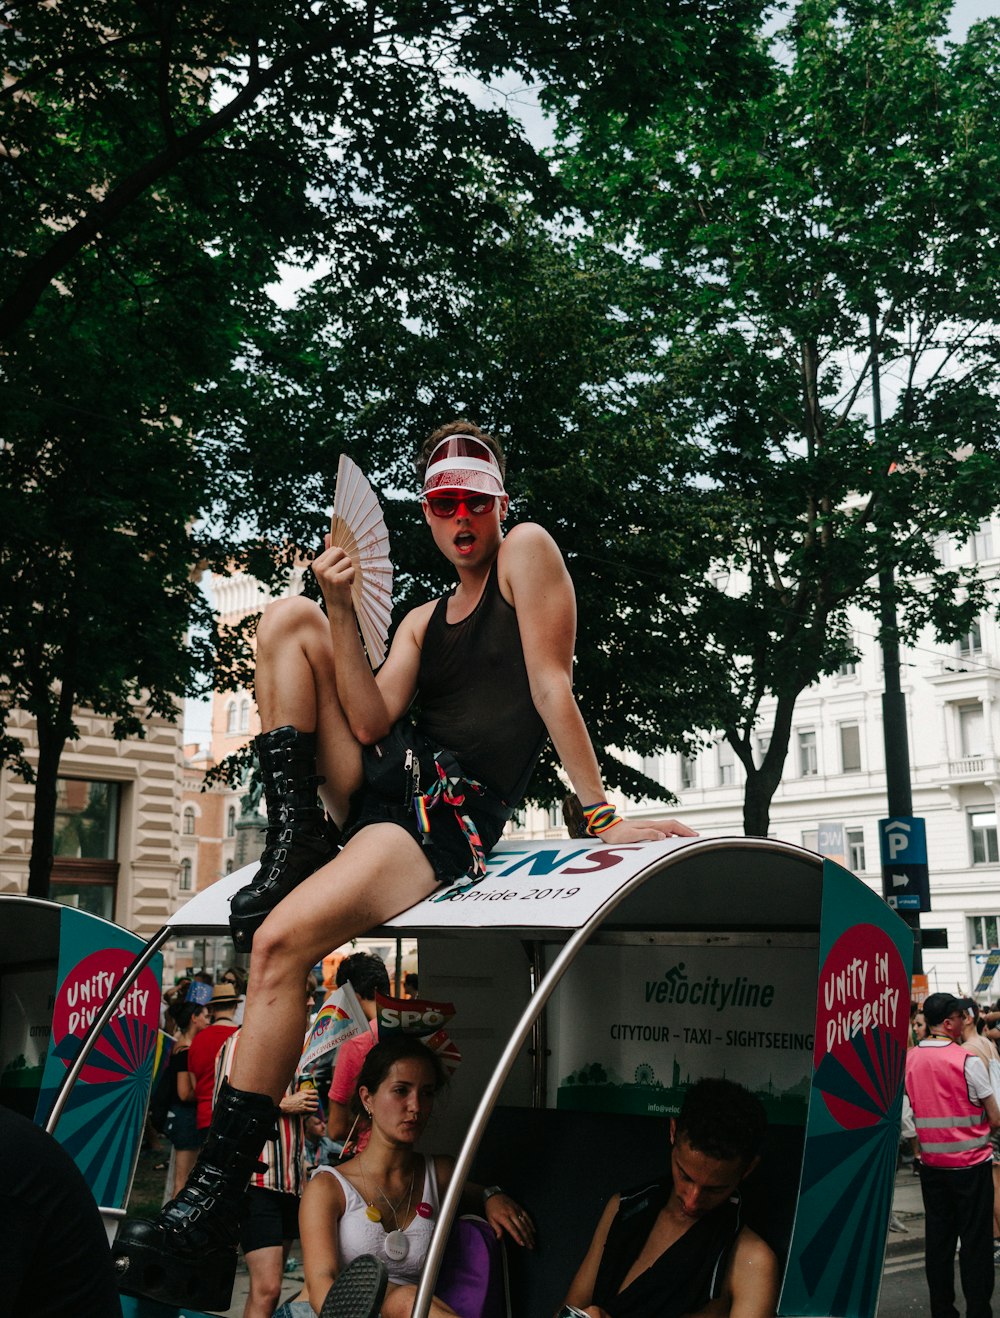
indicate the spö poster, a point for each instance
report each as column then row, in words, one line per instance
column 637, row 1026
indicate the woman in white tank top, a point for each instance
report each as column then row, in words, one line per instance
column 386, row 1200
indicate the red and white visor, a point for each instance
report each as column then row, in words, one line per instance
column 462, row 462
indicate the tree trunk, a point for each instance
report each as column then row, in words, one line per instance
column 757, row 804
column 52, row 734
column 762, row 783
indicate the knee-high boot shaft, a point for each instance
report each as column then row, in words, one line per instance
column 299, row 837
column 187, row 1254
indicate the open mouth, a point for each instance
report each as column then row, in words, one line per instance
column 464, row 541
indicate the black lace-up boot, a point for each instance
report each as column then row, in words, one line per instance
column 186, row 1256
column 299, row 836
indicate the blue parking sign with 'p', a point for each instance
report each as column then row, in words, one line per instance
column 903, row 847
column 902, row 841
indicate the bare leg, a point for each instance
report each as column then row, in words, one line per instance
column 379, row 873
column 398, row 1303
column 266, row 1267
column 184, row 1160
column 295, row 686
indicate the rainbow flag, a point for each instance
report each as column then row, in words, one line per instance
column 340, row 1018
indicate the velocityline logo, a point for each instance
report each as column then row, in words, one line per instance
column 675, row 987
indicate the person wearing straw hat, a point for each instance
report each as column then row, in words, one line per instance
column 205, row 1048
column 413, row 805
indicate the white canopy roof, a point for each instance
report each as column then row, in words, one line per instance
column 560, row 884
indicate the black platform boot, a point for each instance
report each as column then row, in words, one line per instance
column 186, row 1256
column 299, row 836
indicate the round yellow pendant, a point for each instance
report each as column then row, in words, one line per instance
column 372, row 1213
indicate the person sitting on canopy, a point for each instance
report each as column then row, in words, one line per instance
column 412, row 805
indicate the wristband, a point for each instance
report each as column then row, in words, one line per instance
column 600, row 817
column 490, row 1191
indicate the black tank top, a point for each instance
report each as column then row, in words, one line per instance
column 473, row 696
column 684, row 1277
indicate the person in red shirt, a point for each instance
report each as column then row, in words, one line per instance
column 205, row 1049
column 367, row 975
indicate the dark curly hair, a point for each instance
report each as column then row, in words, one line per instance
column 366, row 974
column 723, row 1120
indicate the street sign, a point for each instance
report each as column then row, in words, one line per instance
column 830, row 842
column 990, row 968
column 903, row 848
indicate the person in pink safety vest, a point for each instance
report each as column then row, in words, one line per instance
column 954, row 1109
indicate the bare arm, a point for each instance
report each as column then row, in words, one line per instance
column 533, row 572
column 185, row 1086
column 992, row 1112
column 753, row 1281
column 372, row 704
column 501, row 1211
column 320, row 1212
column 581, row 1289
column 338, row 1121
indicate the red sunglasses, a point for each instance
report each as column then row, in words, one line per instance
column 447, row 505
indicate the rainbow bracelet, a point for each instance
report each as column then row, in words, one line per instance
column 600, row 817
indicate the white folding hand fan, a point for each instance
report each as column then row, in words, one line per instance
column 359, row 528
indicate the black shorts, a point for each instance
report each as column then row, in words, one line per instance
column 393, row 769
column 448, row 850
column 271, row 1218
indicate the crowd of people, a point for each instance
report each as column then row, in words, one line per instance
column 344, row 1174
column 346, row 1177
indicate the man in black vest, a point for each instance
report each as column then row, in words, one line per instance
column 673, row 1246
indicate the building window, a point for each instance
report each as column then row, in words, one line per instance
column 727, row 764
column 808, row 764
column 188, row 827
column 184, row 883
column 942, row 548
column 850, row 748
column 555, row 816
column 983, row 932
column 229, row 866
column 810, row 838
column 763, row 746
column 231, row 716
column 855, row 839
column 517, row 820
column 652, row 767
column 982, row 543
column 971, row 730
column 983, row 829
column 687, row 763
column 972, row 642
column 245, row 716
column 85, row 846
column 231, row 821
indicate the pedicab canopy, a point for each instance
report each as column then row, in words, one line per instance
column 57, row 967
column 594, row 983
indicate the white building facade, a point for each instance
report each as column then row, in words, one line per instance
column 834, row 776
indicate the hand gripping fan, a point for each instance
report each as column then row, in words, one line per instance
column 359, row 529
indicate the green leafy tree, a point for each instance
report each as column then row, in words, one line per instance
column 160, row 163
column 96, row 559
column 823, row 225
column 532, row 350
